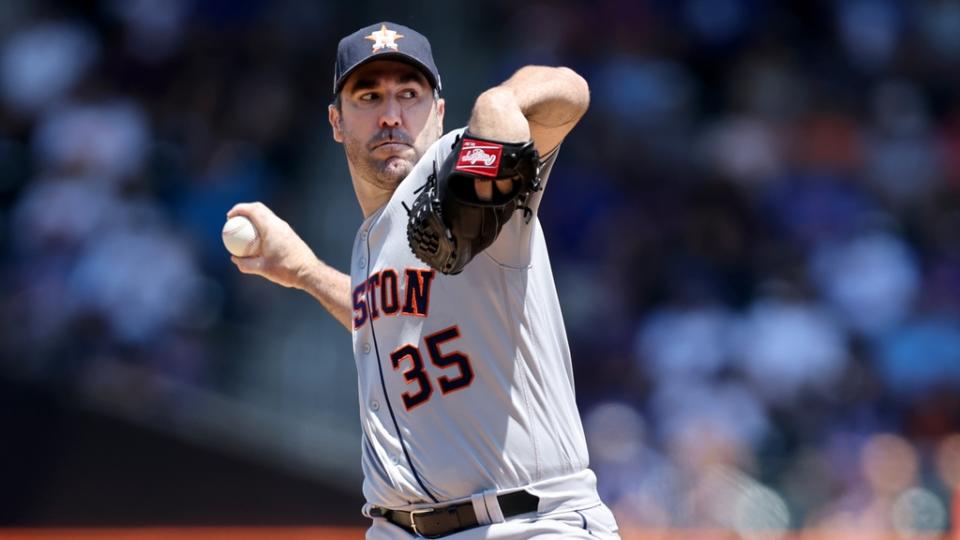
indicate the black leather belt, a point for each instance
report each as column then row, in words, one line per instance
column 444, row 520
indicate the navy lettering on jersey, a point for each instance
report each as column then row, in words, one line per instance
column 456, row 359
column 372, row 282
column 359, row 306
column 417, row 301
column 414, row 373
column 389, row 295
column 385, row 284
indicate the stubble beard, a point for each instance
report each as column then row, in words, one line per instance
column 388, row 173
column 383, row 173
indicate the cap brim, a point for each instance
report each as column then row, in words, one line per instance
column 395, row 56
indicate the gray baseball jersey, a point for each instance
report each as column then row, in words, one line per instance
column 465, row 381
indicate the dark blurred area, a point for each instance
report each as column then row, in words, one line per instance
column 755, row 233
column 66, row 466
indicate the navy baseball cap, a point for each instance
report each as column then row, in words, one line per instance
column 384, row 41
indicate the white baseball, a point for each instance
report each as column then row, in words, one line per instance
column 240, row 237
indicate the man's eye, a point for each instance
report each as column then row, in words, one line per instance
column 368, row 97
column 408, row 94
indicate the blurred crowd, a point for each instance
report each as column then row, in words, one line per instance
column 755, row 230
column 129, row 129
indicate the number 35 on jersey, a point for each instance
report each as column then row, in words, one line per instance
column 379, row 295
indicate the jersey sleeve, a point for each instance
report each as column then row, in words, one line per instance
column 512, row 246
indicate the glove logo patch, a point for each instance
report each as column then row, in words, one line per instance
column 479, row 157
column 448, row 224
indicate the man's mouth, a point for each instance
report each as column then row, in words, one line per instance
column 391, row 145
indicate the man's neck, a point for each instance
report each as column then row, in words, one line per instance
column 369, row 206
column 370, row 196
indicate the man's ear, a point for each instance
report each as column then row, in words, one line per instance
column 334, row 116
column 441, row 108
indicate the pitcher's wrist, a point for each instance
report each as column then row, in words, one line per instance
column 307, row 273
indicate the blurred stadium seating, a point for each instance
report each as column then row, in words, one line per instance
column 755, row 233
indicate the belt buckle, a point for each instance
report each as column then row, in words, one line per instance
column 413, row 520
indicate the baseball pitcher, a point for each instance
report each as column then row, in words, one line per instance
column 470, row 426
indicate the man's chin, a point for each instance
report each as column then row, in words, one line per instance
column 395, row 169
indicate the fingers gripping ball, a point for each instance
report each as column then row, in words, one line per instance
column 449, row 223
column 240, row 237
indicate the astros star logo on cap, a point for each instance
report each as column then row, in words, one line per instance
column 384, row 38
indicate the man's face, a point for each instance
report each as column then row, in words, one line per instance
column 387, row 119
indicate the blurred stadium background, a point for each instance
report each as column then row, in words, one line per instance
column 755, row 233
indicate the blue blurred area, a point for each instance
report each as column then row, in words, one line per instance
column 755, row 233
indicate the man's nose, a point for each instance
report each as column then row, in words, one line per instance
column 391, row 116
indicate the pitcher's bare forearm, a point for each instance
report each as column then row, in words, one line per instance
column 551, row 97
column 287, row 260
column 331, row 288
column 538, row 102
